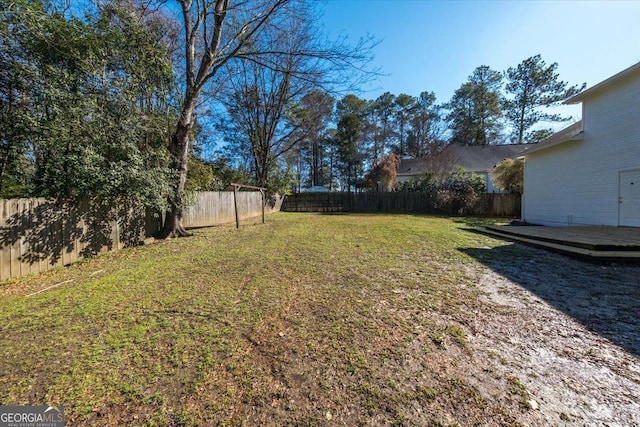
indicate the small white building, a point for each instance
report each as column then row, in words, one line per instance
column 589, row 173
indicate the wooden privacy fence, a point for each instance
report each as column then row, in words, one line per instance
column 356, row 202
column 217, row 207
column 499, row 205
column 39, row 234
column 490, row 204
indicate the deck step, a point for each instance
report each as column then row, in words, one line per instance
column 591, row 251
column 577, row 239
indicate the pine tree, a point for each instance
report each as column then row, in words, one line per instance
column 533, row 85
column 475, row 109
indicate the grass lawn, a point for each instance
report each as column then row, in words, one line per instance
column 307, row 320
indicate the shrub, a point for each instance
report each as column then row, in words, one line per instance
column 458, row 194
column 509, row 175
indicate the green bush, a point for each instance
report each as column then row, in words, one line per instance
column 458, row 194
column 509, row 175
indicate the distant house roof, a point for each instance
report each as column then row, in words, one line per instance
column 634, row 69
column 412, row 167
column 480, row 158
column 473, row 158
column 571, row 133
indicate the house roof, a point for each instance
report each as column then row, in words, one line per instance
column 411, row 167
column 480, row 158
column 571, row 133
column 633, row 70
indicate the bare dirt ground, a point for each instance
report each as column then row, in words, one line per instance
column 567, row 332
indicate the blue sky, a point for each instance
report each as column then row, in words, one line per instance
column 435, row 45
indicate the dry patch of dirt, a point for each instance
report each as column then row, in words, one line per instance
column 551, row 341
column 567, row 334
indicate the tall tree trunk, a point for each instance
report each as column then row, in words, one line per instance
column 3, row 164
column 173, row 226
column 315, row 159
column 521, row 125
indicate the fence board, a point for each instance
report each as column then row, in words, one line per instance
column 499, row 205
column 25, row 209
column 15, row 243
column 5, row 251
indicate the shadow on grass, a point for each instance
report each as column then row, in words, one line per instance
column 37, row 231
column 605, row 298
column 480, row 221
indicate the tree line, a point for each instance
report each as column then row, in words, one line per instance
column 125, row 98
column 491, row 107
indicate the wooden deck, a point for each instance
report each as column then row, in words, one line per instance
column 595, row 242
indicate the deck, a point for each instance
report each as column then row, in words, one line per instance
column 594, row 242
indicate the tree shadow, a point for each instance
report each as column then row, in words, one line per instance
column 605, row 298
column 39, row 233
column 478, row 221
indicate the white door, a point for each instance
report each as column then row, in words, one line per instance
column 629, row 199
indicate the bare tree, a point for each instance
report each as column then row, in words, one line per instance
column 441, row 165
column 309, row 159
column 264, row 100
column 220, row 32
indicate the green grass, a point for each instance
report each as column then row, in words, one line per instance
column 276, row 324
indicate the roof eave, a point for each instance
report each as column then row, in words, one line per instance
column 603, row 84
column 578, row 137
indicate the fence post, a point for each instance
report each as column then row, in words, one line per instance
column 263, row 203
column 237, row 187
column 235, row 204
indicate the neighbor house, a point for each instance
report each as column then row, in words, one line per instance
column 410, row 169
column 478, row 159
column 589, row 173
column 473, row 158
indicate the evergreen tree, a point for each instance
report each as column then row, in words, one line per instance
column 381, row 112
column 475, row 109
column 348, row 138
column 488, row 109
column 461, row 116
column 424, row 136
column 86, row 104
column 531, row 86
column 405, row 104
column 317, row 107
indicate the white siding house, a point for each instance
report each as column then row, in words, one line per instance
column 589, row 173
